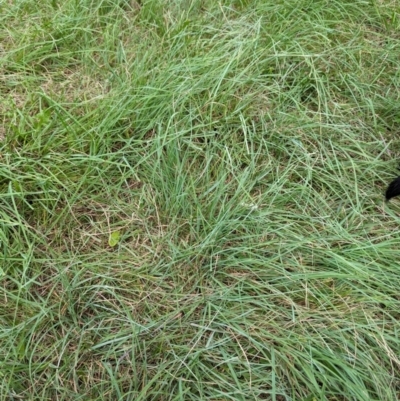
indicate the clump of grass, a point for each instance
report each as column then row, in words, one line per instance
column 192, row 201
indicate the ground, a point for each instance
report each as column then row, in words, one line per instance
column 192, row 200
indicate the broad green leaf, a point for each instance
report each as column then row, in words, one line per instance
column 114, row 238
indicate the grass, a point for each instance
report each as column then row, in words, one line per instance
column 191, row 201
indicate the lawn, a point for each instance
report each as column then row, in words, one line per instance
column 192, row 200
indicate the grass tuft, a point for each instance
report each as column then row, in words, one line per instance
column 191, row 200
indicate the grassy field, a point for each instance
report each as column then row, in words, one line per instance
column 191, row 201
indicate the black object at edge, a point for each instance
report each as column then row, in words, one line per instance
column 393, row 189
